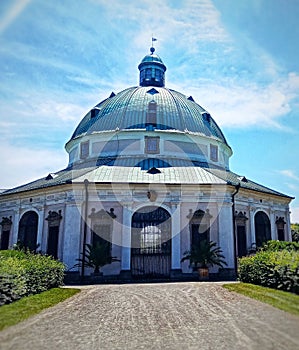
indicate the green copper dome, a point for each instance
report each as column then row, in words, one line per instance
column 151, row 106
column 131, row 109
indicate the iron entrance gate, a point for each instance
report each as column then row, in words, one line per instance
column 151, row 243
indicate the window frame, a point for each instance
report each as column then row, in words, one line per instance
column 149, row 142
column 84, row 153
column 214, row 156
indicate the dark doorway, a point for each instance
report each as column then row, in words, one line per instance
column 241, row 241
column 53, row 241
column 4, row 240
column 151, row 243
column 27, row 236
column 280, row 234
column 262, row 228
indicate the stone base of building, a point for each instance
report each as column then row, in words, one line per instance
column 176, row 274
column 125, row 276
column 226, row 275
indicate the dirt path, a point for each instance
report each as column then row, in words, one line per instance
column 156, row 316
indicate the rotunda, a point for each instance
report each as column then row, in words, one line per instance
column 148, row 177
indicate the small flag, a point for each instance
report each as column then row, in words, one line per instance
column 154, row 39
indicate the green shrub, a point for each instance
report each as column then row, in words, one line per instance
column 275, row 246
column 24, row 273
column 277, row 269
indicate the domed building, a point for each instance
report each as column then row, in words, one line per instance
column 149, row 175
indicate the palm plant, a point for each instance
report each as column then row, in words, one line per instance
column 97, row 256
column 205, row 254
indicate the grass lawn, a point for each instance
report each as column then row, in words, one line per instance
column 18, row 311
column 282, row 300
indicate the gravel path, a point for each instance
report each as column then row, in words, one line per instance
column 156, row 316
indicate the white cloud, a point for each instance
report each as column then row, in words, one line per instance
column 15, row 10
column 20, row 165
column 183, row 25
column 290, row 174
column 249, row 104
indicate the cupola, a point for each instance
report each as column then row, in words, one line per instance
column 152, row 70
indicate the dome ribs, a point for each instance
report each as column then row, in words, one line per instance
column 129, row 110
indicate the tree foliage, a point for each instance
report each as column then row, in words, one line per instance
column 295, row 232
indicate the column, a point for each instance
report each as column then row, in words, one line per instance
column 72, row 235
column 40, row 229
column 126, row 239
column 15, row 228
column 273, row 225
column 176, row 238
column 288, row 233
column 226, row 239
column 252, row 226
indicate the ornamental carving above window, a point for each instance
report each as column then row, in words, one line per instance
column 6, row 223
column 54, row 218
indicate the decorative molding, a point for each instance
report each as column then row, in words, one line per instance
column 54, row 218
column 199, row 214
column 102, row 214
column 6, row 223
column 240, row 216
column 280, row 222
column 152, row 195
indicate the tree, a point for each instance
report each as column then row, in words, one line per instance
column 295, row 232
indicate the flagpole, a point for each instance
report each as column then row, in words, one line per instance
column 153, row 39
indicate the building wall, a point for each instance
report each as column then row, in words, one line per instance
column 125, row 200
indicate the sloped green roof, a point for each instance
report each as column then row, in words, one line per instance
column 187, row 175
column 234, row 179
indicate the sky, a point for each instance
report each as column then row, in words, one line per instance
column 238, row 59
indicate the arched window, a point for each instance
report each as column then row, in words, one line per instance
column 262, row 228
column 27, row 236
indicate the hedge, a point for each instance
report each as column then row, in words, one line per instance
column 23, row 273
column 275, row 246
column 272, row 267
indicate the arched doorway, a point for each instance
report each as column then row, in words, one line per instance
column 262, row 228
column 27, row 236
column 151, row 243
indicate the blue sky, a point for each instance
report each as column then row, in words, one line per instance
column 238, row 59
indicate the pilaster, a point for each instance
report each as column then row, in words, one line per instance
column 72, row 234
column 126, row 238
column 226, row 240
column 15, row 228
column 176, row 237
column 288, row 234
column 40, row 228
column 273, row 225
column 252, row 227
